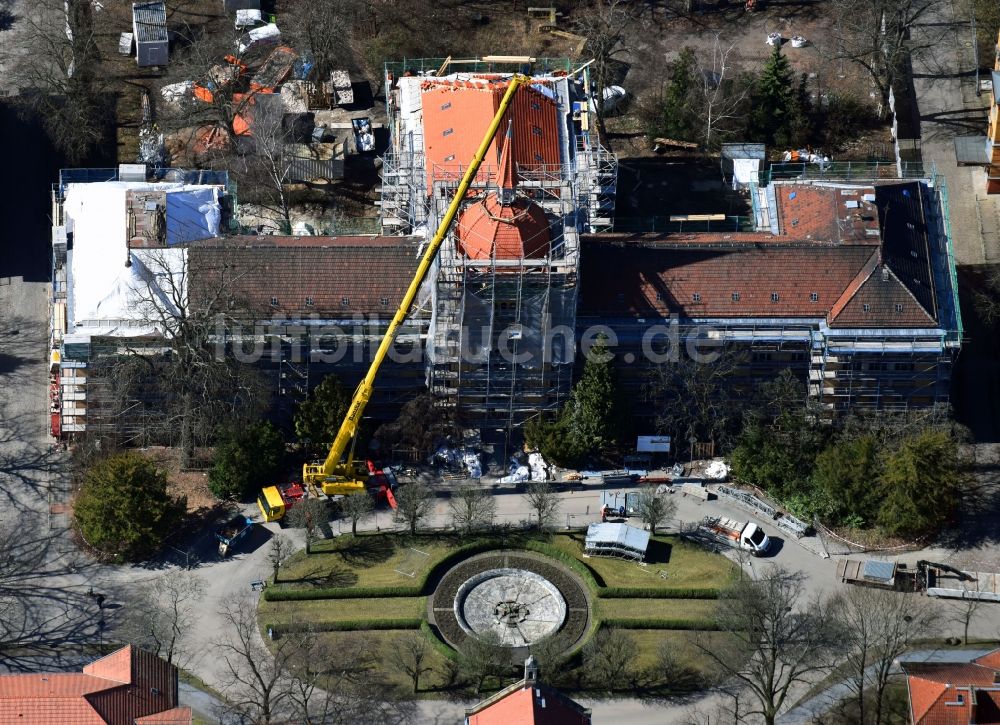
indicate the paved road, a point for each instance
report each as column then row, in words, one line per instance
column 944, row 82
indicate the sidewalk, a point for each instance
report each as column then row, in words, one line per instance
column 944, row 83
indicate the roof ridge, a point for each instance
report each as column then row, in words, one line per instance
column 863, row 275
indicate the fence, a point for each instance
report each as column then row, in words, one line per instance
column 665, row 224
column 844, row 171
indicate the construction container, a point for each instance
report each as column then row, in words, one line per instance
column 149, row 27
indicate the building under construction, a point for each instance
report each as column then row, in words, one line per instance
column 500, row 345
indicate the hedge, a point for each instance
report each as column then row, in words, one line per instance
column 411, row 590
column 659, row 593
column 708, row 625
column 346, row 625
column 570, row 561
column 442, row 648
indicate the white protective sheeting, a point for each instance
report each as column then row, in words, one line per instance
column 106, row 293
column 193, row 213
column 745, row 171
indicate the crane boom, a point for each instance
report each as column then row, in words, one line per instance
column 349, row 426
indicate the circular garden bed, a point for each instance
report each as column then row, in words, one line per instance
column 442, row 603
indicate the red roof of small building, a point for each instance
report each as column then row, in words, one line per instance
column 489, row 229
column 114, row 690
column 950, row 693
column 521, row 704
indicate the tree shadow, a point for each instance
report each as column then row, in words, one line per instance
column 367, row 550
column 658, row 552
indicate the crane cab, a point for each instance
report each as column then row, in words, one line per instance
column 271, row 503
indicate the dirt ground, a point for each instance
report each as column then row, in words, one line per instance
column 189, row 483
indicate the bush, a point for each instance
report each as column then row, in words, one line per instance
column 246, row 460
column 701, row 625
column 348, row 626
column 123, row 508
column 660, row 593
column 289, row 595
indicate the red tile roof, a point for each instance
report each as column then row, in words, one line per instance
column 487, row 229
column 881, row 300
column 114, row 690
column 717, row 283
column 809, row 212
column 456, row 115
column 538, row 705
column 945, row 693
column 176, row 716
column 345, row 279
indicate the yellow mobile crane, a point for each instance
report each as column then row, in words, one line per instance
column 330, row 476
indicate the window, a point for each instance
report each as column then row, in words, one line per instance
column 450, row 157
column 792, row 195
column 696, row 297
column 536, row 130
column 448, row 132
column 536, row 106
column 899, row 308
column 446, row 106
column 384, row 301
column 659, row 297
column 309, row 301
column 345, row 301
column 814, row 297
column 866, row 308
column 539, row 158
column 736, row 296
column 774, row 297
column 274, row 302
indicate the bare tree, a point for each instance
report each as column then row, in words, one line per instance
column 411, row 654
column 725, row 93
column 695, row 399
column 203, row 386
column 256, row 679
column 609, row 659
column 876, row 627
column 356, row 508
column 775, row 639
column 321, row 29
column 482, row 657
column 654, row 509
column 160, row 615
column 607, row 25
column 309, row 514
column 544, row 503
column 414, row 502
column 472, row 509
column 278, row 553
column 963, row 611
column 56, row 64
column 875, row 35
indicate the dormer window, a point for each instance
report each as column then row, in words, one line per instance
column 448, row 132
column 899, row 308
column 274, row 302
column 814, row 297
column 866, row 308
column 774, row 297
column 310, row 301
column 345, row 301
column 736, row 296
column 696, row 297
column 384, row 301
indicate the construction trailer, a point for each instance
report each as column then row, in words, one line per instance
column 149, row 28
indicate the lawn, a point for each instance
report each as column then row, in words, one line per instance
column 370, row 560
column 682, row 645
column 345, row 610
column 655, row 608
column 386, row 644
column 671, row 564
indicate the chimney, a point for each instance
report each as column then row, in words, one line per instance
column 530, row 671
